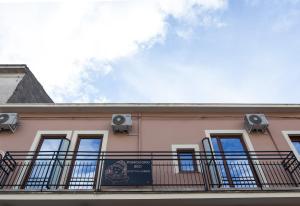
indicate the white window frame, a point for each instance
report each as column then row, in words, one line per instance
column 36, row 141
column 242, row 133
column 287, row 136
column 40, row 134
column 77, row 133
column 248, row 143
column 75, row 136
column 175, row 147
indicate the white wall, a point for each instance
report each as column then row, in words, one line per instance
column 8, row 84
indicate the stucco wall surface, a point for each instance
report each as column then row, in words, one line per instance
column 151, row 131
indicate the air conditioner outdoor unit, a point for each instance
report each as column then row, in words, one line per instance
column 121, row 123
column 256, row 122
column 8, row 121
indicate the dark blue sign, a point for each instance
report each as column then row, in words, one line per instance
column 127, row 173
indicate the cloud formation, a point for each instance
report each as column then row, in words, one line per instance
column 64, row 42
column 156, row 50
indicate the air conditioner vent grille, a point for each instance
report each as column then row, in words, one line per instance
column 4, row 118
column 121, row 123
column 8, row 121
column 256, row 122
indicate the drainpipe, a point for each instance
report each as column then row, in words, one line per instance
column 139, row 132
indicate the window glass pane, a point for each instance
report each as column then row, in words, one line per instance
column 232, row 144
column 211, row 163
column 219, row 161
column 297, row 145
column 85, row 165
column 233, row 165
column 215, row 144
column 42, row 168
column 50, row 145
column 186, row 161
column 91, row 145
column 58, row 164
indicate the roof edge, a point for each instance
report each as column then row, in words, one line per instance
column 148, row 107
column 13, row 68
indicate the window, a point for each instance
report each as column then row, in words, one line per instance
column 186, row 161
column 185, row 158
column 235, row 168
column 85, row 164
column 296, row 142
column 47, row 165
column 293, row 140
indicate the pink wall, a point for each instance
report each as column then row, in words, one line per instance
column 158, row 131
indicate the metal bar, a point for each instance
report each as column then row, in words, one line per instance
column 279, row 171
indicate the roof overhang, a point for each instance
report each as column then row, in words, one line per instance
column 13, row 68
column 149, row 107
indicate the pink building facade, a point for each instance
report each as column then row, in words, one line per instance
column 174, row 154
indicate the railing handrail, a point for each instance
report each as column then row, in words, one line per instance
column 247, row 169
column 254, row 155
column 154, row 151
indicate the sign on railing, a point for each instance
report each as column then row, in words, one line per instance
column 133, row 172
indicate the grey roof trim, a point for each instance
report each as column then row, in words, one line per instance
column 13, row 68
column 29, row 89
column 148, row 107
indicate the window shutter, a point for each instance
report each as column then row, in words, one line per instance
column 58, row 164
column 211, row 163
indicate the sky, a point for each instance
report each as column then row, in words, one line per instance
column 180, row 51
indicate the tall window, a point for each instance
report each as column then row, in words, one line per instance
column 234, row 167
column 84, row 168
column 296, row 142
column 47, row 165
column 186, row 160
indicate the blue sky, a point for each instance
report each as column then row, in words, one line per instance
column 157, row 51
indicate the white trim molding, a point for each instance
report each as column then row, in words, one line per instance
column 35, row 143
column 72, row 136
column 248, row 144
column 40, row 133
column 175, row 147
column 243, row 133
column 104, row 134
column 287, row 135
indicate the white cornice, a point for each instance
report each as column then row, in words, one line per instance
column 149, row 107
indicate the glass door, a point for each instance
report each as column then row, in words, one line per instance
column 48, row 162
column 233, row 164
column 84, row 168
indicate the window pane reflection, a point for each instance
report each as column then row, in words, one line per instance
column 186, row 161
column 296, row 142
column 234, row 166
column 45, row 170
column 85, row 164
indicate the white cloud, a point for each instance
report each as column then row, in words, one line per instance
column 184, row 9
column 61, row 40
column 286, row 21
column 205, row 83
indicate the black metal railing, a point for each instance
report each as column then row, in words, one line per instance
column 148, row 171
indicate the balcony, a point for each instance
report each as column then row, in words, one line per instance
column 148, row 172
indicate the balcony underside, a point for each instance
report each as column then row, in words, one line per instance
column 291, row 198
